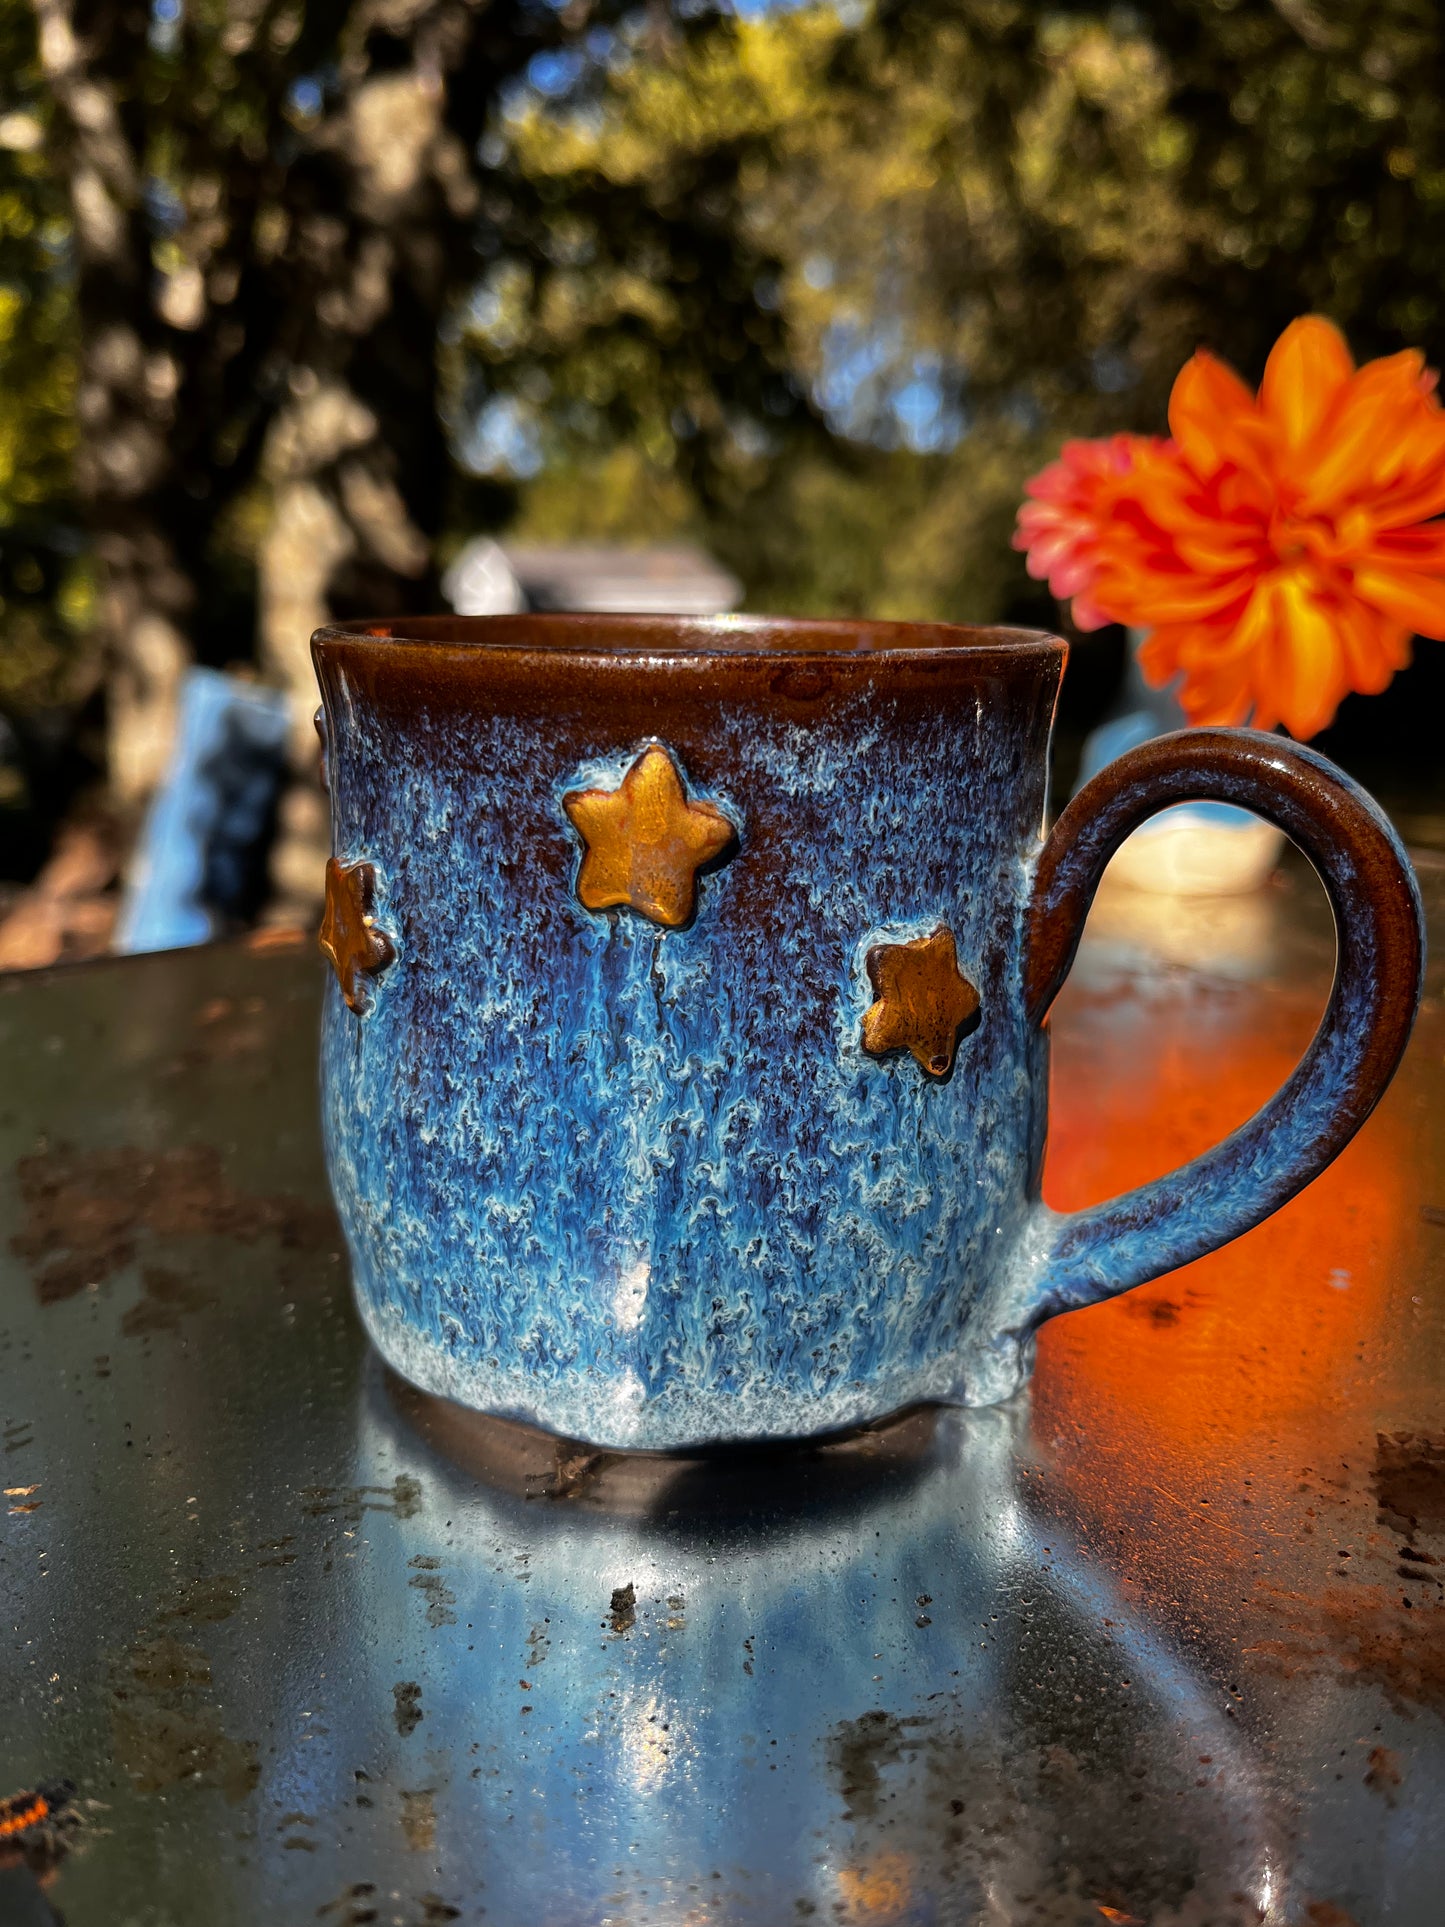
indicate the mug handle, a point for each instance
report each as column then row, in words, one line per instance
column 1086, row 1256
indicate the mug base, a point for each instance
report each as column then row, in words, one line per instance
column 618, row 1414
column 526, row 1462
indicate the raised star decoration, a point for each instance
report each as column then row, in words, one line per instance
column 646, row 841
column 348, row 933
column 924, row 1001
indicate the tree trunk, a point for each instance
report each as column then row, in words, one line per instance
column 261, row 280
column 357, row 459
column 127, row 391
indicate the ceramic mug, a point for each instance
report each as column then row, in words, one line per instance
column 685, row 1070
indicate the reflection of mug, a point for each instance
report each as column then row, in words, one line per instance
column 685, row 1077
column 771, row 1680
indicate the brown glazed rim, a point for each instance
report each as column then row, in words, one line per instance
column 745, row 636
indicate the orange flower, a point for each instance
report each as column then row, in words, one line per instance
column 1065, row 521
column 1280, row 547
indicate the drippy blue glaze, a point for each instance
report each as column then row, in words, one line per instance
column 590, row 1174
column 644, row 1187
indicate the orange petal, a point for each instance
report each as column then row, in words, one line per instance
column 1309, row 367
column 1421, row 548
column 1416, row 600
column 1416, row 490
column 1231, row 671
column 1158, row 657
column 1416, row 497
column 1243, row 496
column 1215, row 688
column 1374, row 645
column 1087, row 613
column 1220, row 548
column 1301, row 672
column 1212, row 416
column 1207, row 704
column 1158, row 595
column 1371, row 428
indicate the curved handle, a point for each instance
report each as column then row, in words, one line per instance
column 1380, row 958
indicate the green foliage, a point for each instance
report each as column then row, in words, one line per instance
column 1018, row 221
column 889, row 533
column 629, row 298
column 44, row 602
column 607, row 497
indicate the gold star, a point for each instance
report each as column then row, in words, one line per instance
column 646, row 841
column 925, row 1003
column 348, row 934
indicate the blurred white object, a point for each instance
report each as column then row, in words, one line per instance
column 480, row 582
column 675, row 579
column 1185, row 853
column 1235, row 936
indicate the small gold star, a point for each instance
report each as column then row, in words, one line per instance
column 348, row 934
column 646, row 841
column 924, row 1001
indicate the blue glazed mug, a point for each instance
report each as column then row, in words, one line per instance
column 684, row 1077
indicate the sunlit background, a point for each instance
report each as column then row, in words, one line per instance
column 297, row 302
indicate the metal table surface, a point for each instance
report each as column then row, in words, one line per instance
column 1163, row 1642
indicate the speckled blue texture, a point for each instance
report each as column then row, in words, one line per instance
column 642, row 1186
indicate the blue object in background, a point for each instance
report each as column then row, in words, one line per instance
column 208, row 824
column 1140, row 713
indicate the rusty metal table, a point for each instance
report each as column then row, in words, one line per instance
column 1163, row 1642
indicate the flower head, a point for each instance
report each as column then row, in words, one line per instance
column 1066, row 519
column 1280, row 547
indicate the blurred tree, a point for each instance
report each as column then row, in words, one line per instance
column 271, row 207
column 626, row 344
column 990, row 225
column 275, row 213
column 820, row 285
column 43, row 603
